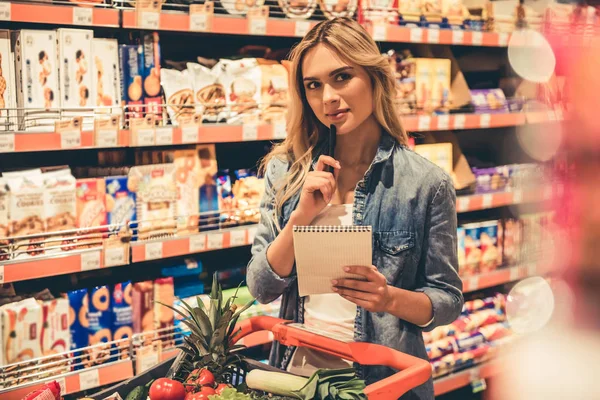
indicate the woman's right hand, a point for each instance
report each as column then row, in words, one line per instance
column 318, row 190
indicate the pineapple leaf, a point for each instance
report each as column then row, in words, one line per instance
column 200, row 318
column 200, row 303
column 236, row 316
column 192, row 314
column 214, row 313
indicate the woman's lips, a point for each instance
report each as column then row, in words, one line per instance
column 338, row 115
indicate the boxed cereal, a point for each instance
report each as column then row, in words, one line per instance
column 131, row 79
column 60, row 205
column 122, row 317
column 79, row 324
column 120, row 203
column 100, row 323
column 105, row 72
column 91, row 206
column 151, row 75
column 75, row 56
column 143, row 306
column 440, row 83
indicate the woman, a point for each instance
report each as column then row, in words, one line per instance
column 339, row 77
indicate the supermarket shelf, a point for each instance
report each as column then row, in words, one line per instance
column 394, row 33
column 486, row 201
column 463, row 378
column 424, row 123
column 59, row 14
column 498, row 277
column 180, row 246
column 50, row 141
column 77, row 381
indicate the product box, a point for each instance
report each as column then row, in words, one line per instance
column 274, row 92
column 8, row 80
column 75, row 56
column 512, row 241
column 472, row 249
column 120, row 203
column 91, row 207
column 438, row 153
column 208, row 92
column 122, row 318
column 131, row 57
column 187, row 167
column 143, row 306
column 462, row 256
column 492, row 179
column 151, row 75
column 79, row 324
column 164, row 292
column 489, row 101
column 37, row 84
column 242, row 81
column 423, row 83
column 209, row 195
column 56, row 337
column 21, row 331
column 60, row 204
column 100, row 324
column 440, row 86
column 491, row 254
column 106, row 74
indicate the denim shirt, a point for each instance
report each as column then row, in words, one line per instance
column 410, row 204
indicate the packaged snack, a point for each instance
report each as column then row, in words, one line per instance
column 21, row 331
column 143, row 306
column 209, row 94
column 240, row 7
column 120, row 203
column 410, row 10
column 187, row 167
column 247, row 191
column 241, row 80
column 60, row 204
column 489, row 101
column 100, row 320
column 438, row 153
column 49, row 391
column 91, row 207
column 472, row 249
column 75, row 55
column 226, row 200
column 497, row 302
column 56, row 337
column 131, row 80
column 151, row 75
column 298, row 9
column 164, row 292
column 455, row 11
column 79, row 325
column 156, row 196
column 122, row 314
column 491, row 255
column 209, row 197
column 8, row 80
column 462, row 255
column 178, row 93
column 512, row 241
column 423, row 83
column 491, row 179
column 37, row 83
column 405, row 68
column 338, row 8
column 274, row 91
column 106, row 73
column 440, row 83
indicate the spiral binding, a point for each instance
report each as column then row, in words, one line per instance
column 331, row 229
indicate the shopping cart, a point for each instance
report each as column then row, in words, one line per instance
column 413, row 371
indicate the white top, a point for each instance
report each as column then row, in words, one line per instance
column 328, row 312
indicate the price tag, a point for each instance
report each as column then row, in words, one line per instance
column 462, row 203
column 197, row 243
column 148, row 357
column 486, row 201
column 503, row 39
column 89, row 379
column 301, row 28
column 164, row 136
column 485, row 120
column 189, row 134
column 380, row 31
column 416, row 35
column 201, row 17
column 443, row 122
column 517, row 197
column 514, row 274
column 250, row 131
column 1, row 273
column 153, row 250
column 5, row 11
column 82, row 15
column 145, row 137
column 251, row 234
column 237, row 238
column 142, row 131
column 477, row 38
column 114, row 256
column 459, row 121
column 458, row 36
column 90, row 261
column 532, row 269
column 424, row 122
column 7, row 142
column 473, row 283
column 106, row 132
column 433, row 36
column 215, row 241
column 279, row 131
column 149, row 20
column 62, row 385
column 257, row 20
column 70, row 132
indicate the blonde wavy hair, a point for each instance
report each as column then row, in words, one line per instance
column 353, row 44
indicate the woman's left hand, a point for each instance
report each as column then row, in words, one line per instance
column 373, row 294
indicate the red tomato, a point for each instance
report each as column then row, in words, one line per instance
column 202, row 377
column 221, row 387
column 167, row 389
column 207, row 390
column 198, row 396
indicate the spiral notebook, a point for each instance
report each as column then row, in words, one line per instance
column 323, row 251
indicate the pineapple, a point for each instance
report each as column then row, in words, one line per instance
column 212, row 332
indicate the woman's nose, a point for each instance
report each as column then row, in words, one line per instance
column 329, row 95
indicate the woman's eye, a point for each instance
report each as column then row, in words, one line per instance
column 342, row 77
column 312, row 85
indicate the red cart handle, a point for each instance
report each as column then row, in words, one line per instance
column 413, row 371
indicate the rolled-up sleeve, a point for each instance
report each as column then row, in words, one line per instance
column 439, row 263
column 263, row 283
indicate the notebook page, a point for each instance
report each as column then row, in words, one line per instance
column 322, row 253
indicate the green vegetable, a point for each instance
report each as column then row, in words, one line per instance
column 230, row 394
column 275, row 382
column 138, row 393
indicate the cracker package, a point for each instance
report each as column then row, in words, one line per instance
column 60, row 204
column 208, row 193
column 122, row 318
column 56, row 337
column 120, row 203
column 8, row 80
column 143, row 306
column 21, row 331
column 164, row 292
column 242, row 80
column 274, row 92
column 209, row 94
column 91, row 207
column 156, row 197
column 100, row 320
column 106, row 74
column 131, row 57
column 75, row 56
column 178, row 93
column 187, row 167
column 247, row 191
column 79, row 325
column 151, row 75
column 37, row 83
